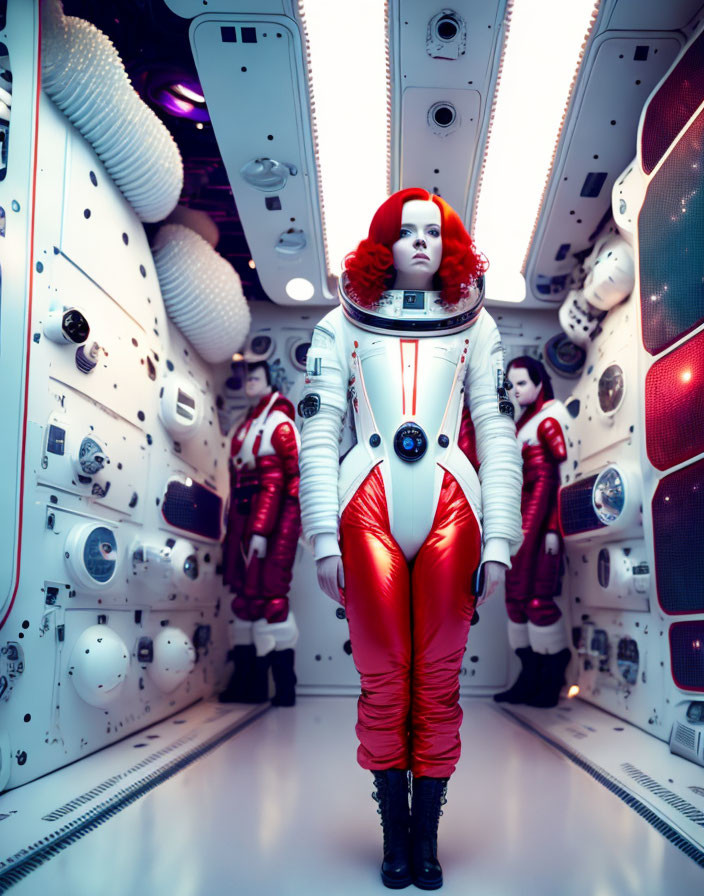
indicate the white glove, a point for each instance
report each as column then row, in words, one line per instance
column 552, row 543
column 331, row 577
column 494, row 575
column 257, row 547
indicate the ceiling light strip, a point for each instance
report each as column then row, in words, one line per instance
column 487, row 141
column 529, row 105
column 551, row 168
column 345, row 219
column 389, row 92
column 313, row 126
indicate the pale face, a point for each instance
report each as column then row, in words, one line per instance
column 256, row 385
column 524, row 389
column 418, row 250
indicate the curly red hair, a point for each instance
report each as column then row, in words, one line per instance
column 370, row 268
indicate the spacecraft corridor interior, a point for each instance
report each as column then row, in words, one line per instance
column 352, row 495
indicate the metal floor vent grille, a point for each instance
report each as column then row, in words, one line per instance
column 105, row 785
column 687, row 846
column 687, row 809
column 687, row 736
column 18, row 866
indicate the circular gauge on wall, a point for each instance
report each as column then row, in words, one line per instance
column 611, row 389
column 564, row 356
column 298, row 353
column 91, row 555
column 609, row 495
column 260, row 347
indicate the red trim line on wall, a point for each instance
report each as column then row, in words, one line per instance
column 29, row 314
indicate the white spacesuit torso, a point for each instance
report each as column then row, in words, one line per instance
column 407, row 390
column 254, row 436
column 528, row 433
column 406, row 372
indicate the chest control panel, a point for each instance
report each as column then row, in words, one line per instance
column 410, row 442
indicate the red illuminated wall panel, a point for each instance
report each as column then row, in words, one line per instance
column 674, row 405
column 673, row 105
column 671, row 245
column 678, row 540
column 687, row 654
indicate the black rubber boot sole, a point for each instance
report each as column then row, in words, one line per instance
column 396, row 883
column 432, row 884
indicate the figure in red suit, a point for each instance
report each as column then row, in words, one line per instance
column 536, row 629
column 400, row 526
column 264, row 524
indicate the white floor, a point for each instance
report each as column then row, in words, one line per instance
column 282, row 808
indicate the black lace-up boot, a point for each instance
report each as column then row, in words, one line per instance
column 552, row 678
column 392, row 796
column 249, row 682
column 240, row 683
column 528, row 681
column 284, row 678
column 428, row 799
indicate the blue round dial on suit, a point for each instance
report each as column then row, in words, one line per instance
column 410, row 442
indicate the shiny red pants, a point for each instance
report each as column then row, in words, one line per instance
column 408, row 628
column 534, row 577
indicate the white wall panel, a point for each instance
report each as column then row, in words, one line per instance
column 102, row 236
column 82, row 261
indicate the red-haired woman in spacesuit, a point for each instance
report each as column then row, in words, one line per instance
column 397, row 527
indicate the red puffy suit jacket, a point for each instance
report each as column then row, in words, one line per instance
column 263, row 501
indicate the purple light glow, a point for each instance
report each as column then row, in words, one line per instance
column 173, row 104
column 189, row 94
column 176, row 92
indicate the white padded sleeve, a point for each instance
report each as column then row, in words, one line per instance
column 501, row 466
column 327, row 370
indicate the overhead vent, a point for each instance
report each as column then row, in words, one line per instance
column 593, row 183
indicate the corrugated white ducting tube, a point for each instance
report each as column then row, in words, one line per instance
column 202, row 293
column 84, row 75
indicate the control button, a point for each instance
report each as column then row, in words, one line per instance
column 375, row 440
column 410, row 442
column 443, row 441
